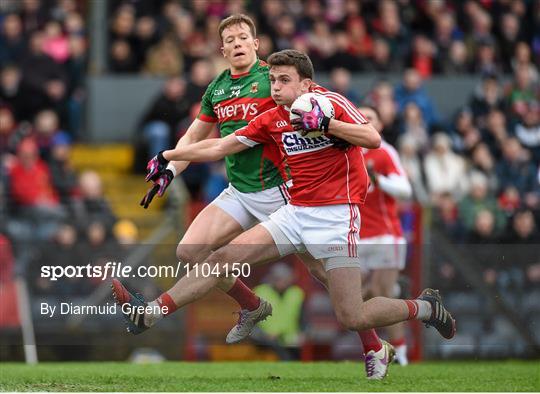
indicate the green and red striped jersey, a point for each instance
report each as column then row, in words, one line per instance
column 232, row 101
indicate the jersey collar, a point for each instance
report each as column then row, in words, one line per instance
column 252, row 69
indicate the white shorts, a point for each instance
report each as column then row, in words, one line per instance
column 249, row 209
column 383, row 252
column 330, row 232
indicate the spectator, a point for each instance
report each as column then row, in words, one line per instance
column 381, row 60
column 44, row 81
column 527, row 130
column 465, row 135
column 342, row 55
column 285, row 30
column 522, row 91
column 411, row 90
column 7, row 131
column 495, row 132
column 484, row 163
column 360, row 41
column 485, row 60
column 12, row 40
column 196, row 175
column 46, row 128
column 283, row 331
column 164, row 59
column 200, row 76
column 445, row 171
column 10, row 90
column 483, row 238
column 522, row 58
column 414, row 126
column 76, row 69
column 446, row 32
column 122, row 59
column 64, row 251
column 457, row 62
column 446, row 217
column 340, row 82
column 408, row 152
column 422, row 57
column 388, row 25
column 30, row 180
column 508, row 40
column 478, row 199
column 92, row 206
column 487, row 98
column 123, row 25
column 321, row 45
column 55, row 42
column 515, row 170
column 266, row 47
column 162, row 119
column 63, row 175
column 146, row 36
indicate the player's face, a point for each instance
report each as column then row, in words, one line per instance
column 286, row 84
column 371, row 115
column 239, row 47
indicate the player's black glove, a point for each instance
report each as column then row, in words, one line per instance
column 161, row 183
column 155, row 167
column 339, row 143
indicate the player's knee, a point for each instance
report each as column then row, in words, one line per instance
column 351, row 320
column 188, row 254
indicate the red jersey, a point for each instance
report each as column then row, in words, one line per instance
column 380, row 213
column 321, row 174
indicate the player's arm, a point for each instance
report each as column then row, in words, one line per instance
column 395, row 185
column 197, row 131
column 363, row 135
column 208, row 150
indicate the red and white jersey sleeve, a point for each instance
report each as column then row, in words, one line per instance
column 380, row 210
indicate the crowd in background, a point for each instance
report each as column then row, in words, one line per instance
column 49, row 211
column 479, row 168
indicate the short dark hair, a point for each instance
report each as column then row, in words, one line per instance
column 292, row 57
column 237, row 19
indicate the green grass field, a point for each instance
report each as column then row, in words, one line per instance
column 260, row 376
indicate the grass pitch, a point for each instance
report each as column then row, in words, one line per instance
column 269, row 376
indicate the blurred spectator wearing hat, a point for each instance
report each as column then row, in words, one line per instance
column 63, row 175
column 282, row 331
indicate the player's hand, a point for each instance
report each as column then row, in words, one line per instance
column 310, row 120
column 161, row 183
column 339, row 143
column 155, row 167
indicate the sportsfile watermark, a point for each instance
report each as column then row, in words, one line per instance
column 113, row 269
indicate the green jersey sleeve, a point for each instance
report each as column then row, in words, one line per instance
column 206, row 113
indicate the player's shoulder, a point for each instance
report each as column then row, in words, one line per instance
column 388, row 149
column 263, row 66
